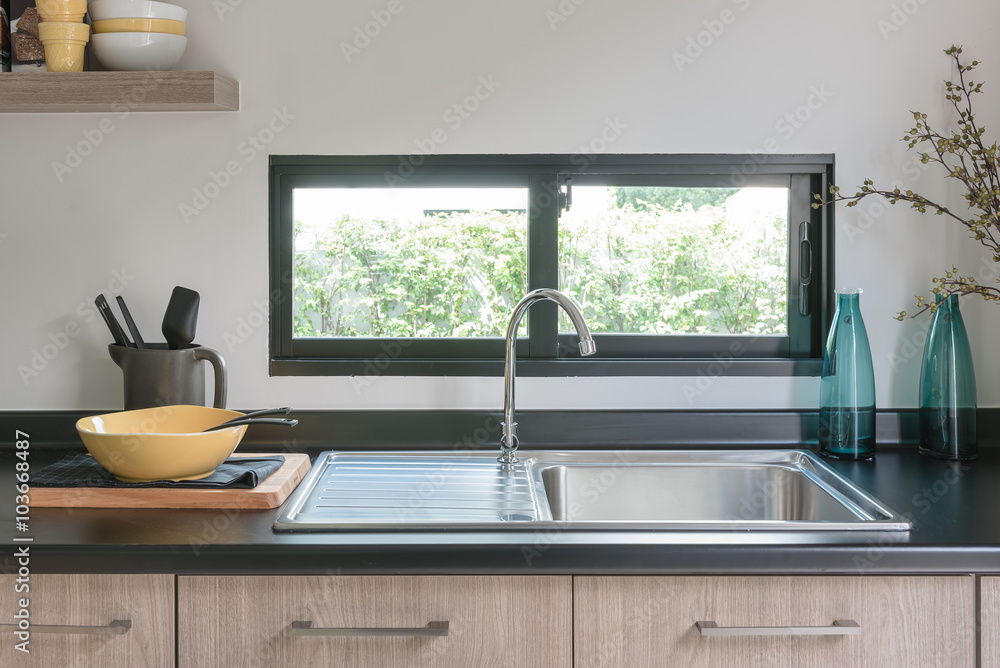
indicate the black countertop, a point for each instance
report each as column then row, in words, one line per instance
column 954, row 507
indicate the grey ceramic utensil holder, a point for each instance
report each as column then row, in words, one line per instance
column 158, row 376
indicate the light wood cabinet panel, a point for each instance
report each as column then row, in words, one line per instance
column 493, row 620
column 650, row 621
column 147, row 601
column 989, row 601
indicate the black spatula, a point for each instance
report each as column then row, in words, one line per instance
column 181, row 318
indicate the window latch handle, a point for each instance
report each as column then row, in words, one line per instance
column 805, row 267
column 566, row 198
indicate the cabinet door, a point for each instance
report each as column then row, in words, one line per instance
column 990, row 618
column 651, row 621
column 70, row 621
column 491, row 620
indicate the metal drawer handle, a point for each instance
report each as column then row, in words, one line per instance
column 118, row 627
column 300, row 628
column 841, row 627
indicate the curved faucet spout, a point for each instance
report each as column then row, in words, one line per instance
column 508, row 439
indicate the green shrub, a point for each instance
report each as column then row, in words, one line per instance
column 639, row 270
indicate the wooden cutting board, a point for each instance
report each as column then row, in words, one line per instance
column 269, row 494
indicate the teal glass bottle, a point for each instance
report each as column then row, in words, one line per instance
column 948, row 387
column 847, row 388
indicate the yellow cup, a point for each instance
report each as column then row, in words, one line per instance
column 62, row 11
column 64, row 43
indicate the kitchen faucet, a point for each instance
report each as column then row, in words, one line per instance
column 508, row 438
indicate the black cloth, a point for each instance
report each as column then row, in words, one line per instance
column 81, row 470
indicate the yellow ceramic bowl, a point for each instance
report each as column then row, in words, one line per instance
column 164, row 443
column 139, row 25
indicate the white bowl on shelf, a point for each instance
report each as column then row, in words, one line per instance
column 138, row 51
column 103, row 10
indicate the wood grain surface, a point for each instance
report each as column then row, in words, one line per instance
column 510, row 620
column 650, row 621
column 118, row 92
column 269, row 494
column 989, row 601
column 147, row 601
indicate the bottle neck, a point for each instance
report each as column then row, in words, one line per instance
column 950, row 302
column 848, row 301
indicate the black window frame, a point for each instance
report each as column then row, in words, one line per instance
column 545, row 352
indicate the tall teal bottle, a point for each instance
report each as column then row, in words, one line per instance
column 847, row 389
column 948, row 387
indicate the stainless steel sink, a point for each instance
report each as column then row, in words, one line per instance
column 730, row 490
column 770, row 489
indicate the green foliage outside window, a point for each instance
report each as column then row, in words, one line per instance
column 675, row 272
column 442, row 275
column 672, row 198
column 647, row 269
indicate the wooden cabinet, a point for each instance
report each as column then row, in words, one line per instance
column 90, row 621
column 989, row 617
column 374, row 621
column 463, row 621
column 651, row 621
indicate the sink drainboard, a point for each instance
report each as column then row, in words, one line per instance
column 371, row 491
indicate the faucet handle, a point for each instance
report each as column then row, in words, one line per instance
column 508, row 444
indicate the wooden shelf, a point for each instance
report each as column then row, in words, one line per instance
column 61, row 92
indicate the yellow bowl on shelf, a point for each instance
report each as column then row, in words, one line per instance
column 63, row 43
column 139, row 25
column 56, row 11
column 163, row 443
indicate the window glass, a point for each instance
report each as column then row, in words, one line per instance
column 677, row 260
column 407, row 262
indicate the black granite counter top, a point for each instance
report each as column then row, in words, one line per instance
column 954, row 507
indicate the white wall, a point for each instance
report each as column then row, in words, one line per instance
column 559, row 82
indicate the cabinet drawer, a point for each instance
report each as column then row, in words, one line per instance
column 651, row 621
column 990, row 617
column 90, row 603
column 248, row 621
